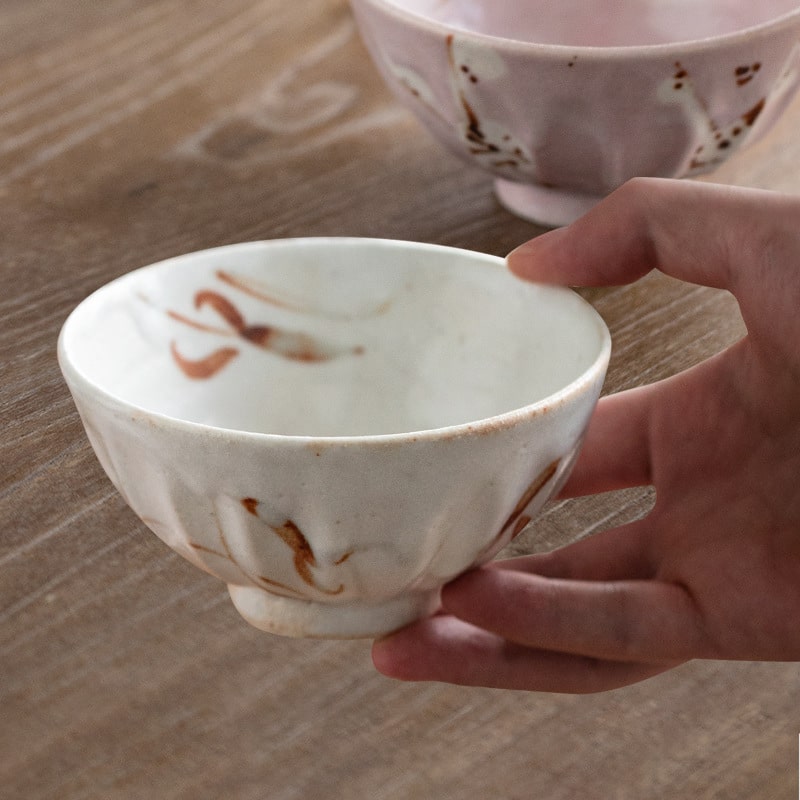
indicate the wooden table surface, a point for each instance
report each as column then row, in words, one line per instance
column 132, row 130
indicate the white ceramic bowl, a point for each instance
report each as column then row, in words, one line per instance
column 334, row 427
column 564, row 101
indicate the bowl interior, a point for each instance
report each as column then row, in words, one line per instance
column 600, row 23
column 331, row 337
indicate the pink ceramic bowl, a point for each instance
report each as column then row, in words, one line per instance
column 563, row 102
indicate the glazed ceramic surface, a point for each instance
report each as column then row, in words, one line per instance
column 563, row 102
column 334, row 427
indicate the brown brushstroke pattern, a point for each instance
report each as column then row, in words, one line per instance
column 723, row 141
column 201, row 548
column 206, row 367
column 226, row 555
column 258, row 291
column 192, row 323
column 286, row 590
column 746, row 73
column 250, row 288
column 287, row 344
column 474, row 133
column 293, row 537
column 251, row 504
column 476, row 138
column 256, row 580
column 224, row 307
column 749, row 117
column 527, row 498
column 517, row 519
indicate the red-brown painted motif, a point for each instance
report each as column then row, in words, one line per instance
column 722, row 138
column 206, row 367
column 293, row 537
column 518, row 519
column 746, row 73
column 503, row 153
column 292, row 345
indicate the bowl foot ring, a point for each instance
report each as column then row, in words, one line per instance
column 552, row 208
column 288, row 616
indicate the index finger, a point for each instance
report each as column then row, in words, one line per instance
column 697, row 232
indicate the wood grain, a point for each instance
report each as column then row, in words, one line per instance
column 131, row 130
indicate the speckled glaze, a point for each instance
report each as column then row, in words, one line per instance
column 563, row 102
column 334, row 427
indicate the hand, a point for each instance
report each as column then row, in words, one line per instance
column 714, row 570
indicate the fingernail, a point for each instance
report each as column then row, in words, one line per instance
column 517, row 258
column 529, row 261
column 521, row 250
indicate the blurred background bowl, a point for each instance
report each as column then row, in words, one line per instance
column 563, row 102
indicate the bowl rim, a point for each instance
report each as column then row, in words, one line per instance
column 79, row 383
column 596, row 52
